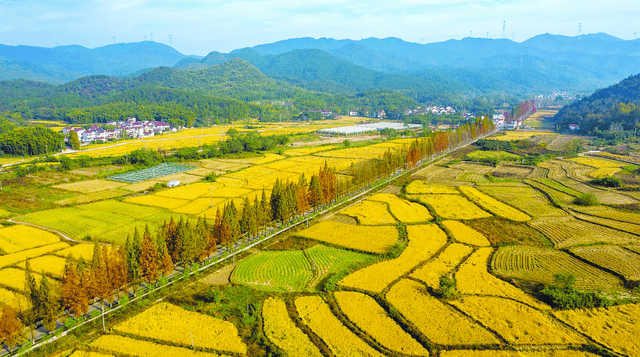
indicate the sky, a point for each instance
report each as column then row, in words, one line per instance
column 198, row 27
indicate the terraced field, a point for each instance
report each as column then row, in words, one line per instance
column 494, row 206
column 451, row 206
column 524, row 198
column 613, row 258
column 377, row 239
column 445, row 263
column 610, row 213
column 539, row 265
column 567, row 231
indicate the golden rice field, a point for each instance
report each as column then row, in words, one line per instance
column 445, row 263
column 464, row 234
column 15, row 278
column 610, row 213
column 474, row 279
column 11, row 259
column 452, row 206
column 157, row 201
column 13, row 299
column 519, row 135
column 370, row 317
column 371, row 239
column 611, row 223
column 88, row 354
column 170, row 323
column 223, row 166
column 90, row 186
column 50, row 264
column 524, row 198
column 316, row 314
column 308, row 150
column 505, row 353
column 567, row 231
column 404, row 211
column 613, row 258
column 597, row 163
column 605, row 172
column 494, row 206
column 539, row 265
column 5, row 213
column 20, row 237
column 82, row 250
column 436, row 321
column 424, row 242
column 421, row 187
column 517, row 323
column 616, row 327
column 125, row 346
column 370, row 213
column 283, row 332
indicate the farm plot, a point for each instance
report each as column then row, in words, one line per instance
column 603, row 196
column 157, row 201
column 170, row 323
column 539, row 265
column 612, row 257
column 189, row 192
column 5, row 213
column 557, row 197
column 616, row 327
column 481, row 155
column 370, row 213
column 577, row 171
column 437, row 173
column 13, row 299
column 567, row 231
column 370, row 317
column 450, row 258
column 503, row 353
column 83, row 250
column 308, row 151
column 610, row 213
column 274, row 270
column 404, row 211
column 521, row 135
column 511, row 171
column 10, row 259
column 436, row 321
column 538, row 173
column 473, row 278
column 50, row 264
column 15, row 279
column 560, row 142
column 554, row 169
column 20, row 237
column 420, row 187
column 524, row 198
column 465, row 234
column 515, row 322
column 605, row 172
column 283, row 332
column 222, row 166
column 378, row 239
column 452, row 206
column 622, row 226
column 341, row 341
column 597, row 163
column 424, row 242
column 151, row 173
column 330, row 260
column 125, row 346
column 494, row 206
column 90, row 186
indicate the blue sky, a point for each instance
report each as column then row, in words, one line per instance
column 198, row 26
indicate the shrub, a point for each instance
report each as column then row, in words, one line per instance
column 586, row 199
column 607, row 182
column 447, row 287
column 563, row 296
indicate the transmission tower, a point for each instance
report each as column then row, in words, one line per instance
column 504, row 29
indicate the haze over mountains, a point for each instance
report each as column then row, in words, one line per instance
column 471, row 65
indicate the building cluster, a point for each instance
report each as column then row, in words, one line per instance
column 114, row 130
column 431, row 109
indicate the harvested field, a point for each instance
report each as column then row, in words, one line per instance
column 554, row 169
column 524, row 198
column 470, row 167
column 221, row 277
column 90, row 186
column 539, row 265
column 436, row 321
column 224, row 166
column 452, row 206
column 189, row 192
column 522, row 135
column 577, row 171
column 603, row 196
column 511, row 171
column 420, row 187
column 494, row 206
column 557, row 197
column 503, row 231
column 538, row 172
column 565, row 232
column 622, row 226
column 141, row 186
column 370, row 213
column 613, row 258
column 378, row 239
column 616, row 327
column 560, row 142
column 517, row 323
column 20, row 237
column 370, row 317
column 437, row 173
column 424, row 242
column 404, row 211
column 465, row 234
column 445, row 263
column 473, row 278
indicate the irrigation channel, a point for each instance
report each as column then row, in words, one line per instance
column 96, row 312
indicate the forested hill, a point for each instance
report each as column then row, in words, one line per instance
column 66, row 63
column 617, row 105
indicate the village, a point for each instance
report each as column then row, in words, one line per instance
column 128, row 129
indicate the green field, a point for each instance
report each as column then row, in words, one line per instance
column 292, row 270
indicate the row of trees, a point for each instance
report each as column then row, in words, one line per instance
column 30, row 141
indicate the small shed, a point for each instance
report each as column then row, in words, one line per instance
column 173, row 183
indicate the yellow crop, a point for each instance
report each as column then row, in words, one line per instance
column 419, row 186
column 125, row 346
column 308, row 151
column 341, row 341
column 226, row 165
column 605, row 172
column 5, row 213
column 171, row 323
column 83, row 250
column 473, row 278
column 365, row 312
column 494, row 206
column 15, row 278
column 489, row 353
column 13, row 299
column 184, row 179
column 10, row 259
column 189, row 192
column 90, row 186
column 283, row 332
column 452, row 206
column 200, row 205
column 378, row 239
column 405, row 211
column 519, row 135
column 438, row 322
column 140, row 186
column 20, row 237
column 465, row 234
column 157, row 201
column 515, row 322
column 616, row 327
column 370, row 213
column 228, row 192
column 431, row 272
column 88, row 354
column 597, row 163
column 51, row 265
column 424, row 242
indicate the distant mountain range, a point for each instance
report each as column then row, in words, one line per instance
column 471, row 65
